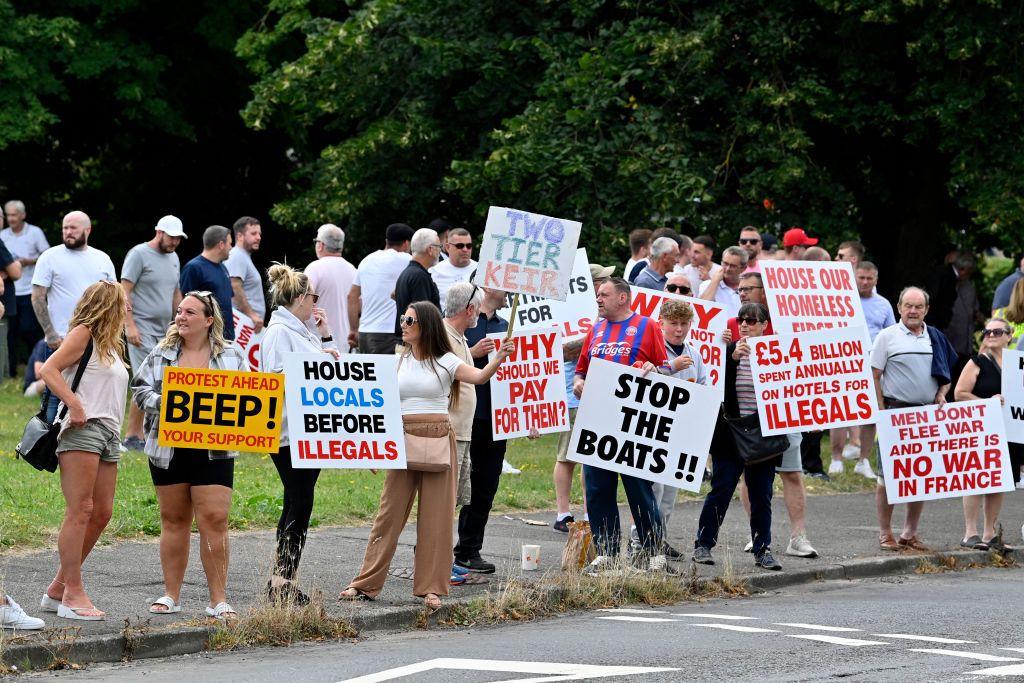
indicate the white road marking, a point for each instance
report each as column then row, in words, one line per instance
column 708, row 615
column 816, row 627
column 551, row 671
column 927, row 639
column 1008, row 670
column 1013, row 649
column 647, row 620
column 981, row 657
column 624, row 610
column 734, row 627
column 836, row 640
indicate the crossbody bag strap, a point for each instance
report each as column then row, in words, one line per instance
column 82, row 362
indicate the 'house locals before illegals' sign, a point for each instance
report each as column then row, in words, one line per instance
column 224, row 410
column 655, row 427
column 811, row 295
column 344, row 413
column 527, row 253
column 528, row 390
column 812, row 380
column 955, row 450
column 573, row 317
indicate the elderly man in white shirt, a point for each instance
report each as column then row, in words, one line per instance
column 724, row 283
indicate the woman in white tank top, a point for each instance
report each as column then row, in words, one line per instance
column 89, row 445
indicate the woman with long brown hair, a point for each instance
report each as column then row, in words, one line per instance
column 89, row 445
column 428, row 377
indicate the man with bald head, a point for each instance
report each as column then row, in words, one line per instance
column 331, row 277
column 62, row 274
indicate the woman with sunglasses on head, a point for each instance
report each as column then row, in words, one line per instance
column 728, row 467
column 191, row 483
column 429, row 374
column 89, row 445
column 982, row 378
column 296, row 326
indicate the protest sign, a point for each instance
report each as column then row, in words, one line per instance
column 527, row 253
column 709, row 321
column 344, row 413
column 656, row 428
column 1013, row 393
column 812, row 380
column 247, row 339
column 811, row 295
column 222, row 410
column 933, row 452
column 528, row 390
column 574, row 316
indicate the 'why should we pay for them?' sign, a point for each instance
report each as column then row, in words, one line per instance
column 527, row 253
column 955, row 450
column 223, row 410
column 655, row 427
column 812, row 380
column 344, row 413
column 528, row 390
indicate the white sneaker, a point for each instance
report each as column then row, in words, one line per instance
column 863, row 468
column 749, row 547
column 851, row 452
column 801, row 547
column 12, row 616
column 601, row 564
column 658, row 563
column 506, row 468
column 1020, row 484
column 836, row 467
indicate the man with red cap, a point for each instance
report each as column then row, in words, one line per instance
column 795, row 242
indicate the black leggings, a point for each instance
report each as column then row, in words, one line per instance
column 298, row 506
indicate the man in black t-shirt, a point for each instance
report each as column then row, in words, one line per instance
column 415, row 283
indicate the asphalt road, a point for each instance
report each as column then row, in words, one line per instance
column 941, row 627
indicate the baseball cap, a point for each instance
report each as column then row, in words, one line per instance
column 796, row 237
column 171, row 225
column 598, row 272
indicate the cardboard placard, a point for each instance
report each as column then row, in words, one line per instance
column 952, row 451
column 527, row 253
column 344, row 413
column 709, row 321
column 528, row 390
column 812, row 380
column 222, row 410
column 247, row 339
column 812, row 295
column 656, row 427
column 573, row 317
column 1013, row 394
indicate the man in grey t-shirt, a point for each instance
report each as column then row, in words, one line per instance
column 150, row 280
column 246, row 285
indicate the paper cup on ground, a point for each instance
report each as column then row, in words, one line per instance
column 531, row 558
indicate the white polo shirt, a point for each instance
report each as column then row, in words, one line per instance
column 725, row 295
column 905, row 360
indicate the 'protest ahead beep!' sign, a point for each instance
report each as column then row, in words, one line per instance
column 812, row 380
column 528, row 390
column 344, row 413
column 811, row 295
column 224, row 410
column 656, row 428
column 527, row 253
column 934, row 452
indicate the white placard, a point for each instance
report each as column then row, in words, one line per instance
column 1013, row 393
column 812, row 295
column 247, row 339
column 344, row 413
column 527, row 253
column 949, row 452
column 656, row 428
column 528, row 390
column 573, row 317
column 812, row 380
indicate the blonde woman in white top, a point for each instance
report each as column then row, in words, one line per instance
column 89, row 445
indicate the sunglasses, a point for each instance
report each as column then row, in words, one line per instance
column 407, row 321
column 744, row 240
column 750, row 321
column 678, row 289
column 744, row 290
column 471, row 295
column 995, row 333
column 457, row 245
column 316, row 297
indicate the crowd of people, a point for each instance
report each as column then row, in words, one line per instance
column 74, row 324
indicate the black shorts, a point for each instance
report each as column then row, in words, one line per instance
column 194, row 467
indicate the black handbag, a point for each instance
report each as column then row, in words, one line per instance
column 38, row 445
column 752, row 446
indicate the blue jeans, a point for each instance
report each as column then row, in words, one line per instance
column 49, row 397
column 602, row 489
column 725, row 475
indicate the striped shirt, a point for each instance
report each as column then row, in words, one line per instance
column 628, row 342
column 745, row 395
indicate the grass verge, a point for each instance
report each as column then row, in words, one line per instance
column 280, row 624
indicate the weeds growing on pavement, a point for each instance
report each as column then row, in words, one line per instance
column 937, row 565
column 280, row 623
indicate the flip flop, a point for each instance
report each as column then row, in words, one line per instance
column 971, row 541
column 48, row 604
column 75, row 613
column 359, row 595
column 166, row 601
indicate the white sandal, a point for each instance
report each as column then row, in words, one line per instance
column 222, row 611
column 166, row 601
column 75, row 613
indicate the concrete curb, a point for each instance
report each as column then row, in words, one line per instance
column 173, row 641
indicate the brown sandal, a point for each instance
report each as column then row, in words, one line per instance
column 889, row 544
column 914, row 543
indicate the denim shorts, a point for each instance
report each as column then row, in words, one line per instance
column 93, row 437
